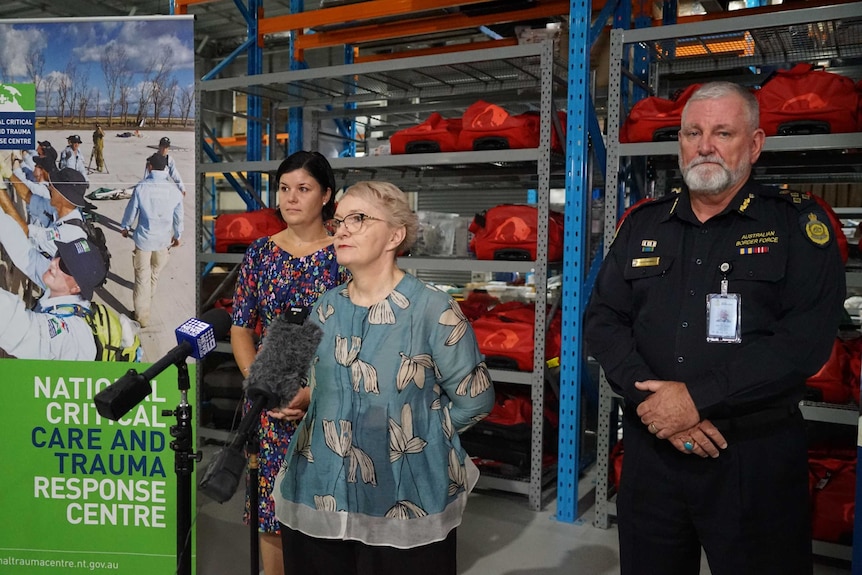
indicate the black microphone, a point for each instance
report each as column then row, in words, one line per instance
column 274, row 379
column 280, row 367
column 195, row 337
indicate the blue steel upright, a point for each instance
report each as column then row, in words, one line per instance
column 254, row 127
column 574, row 260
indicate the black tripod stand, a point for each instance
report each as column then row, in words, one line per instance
column 253, row 451
column 184, row 458
column 230, row 464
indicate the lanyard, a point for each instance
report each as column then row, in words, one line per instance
column 71, row 309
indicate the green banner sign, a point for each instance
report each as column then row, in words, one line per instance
column 82, row 493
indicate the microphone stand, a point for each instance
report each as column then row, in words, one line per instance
column 253, row 451
column 184, row 458
column 222, row 476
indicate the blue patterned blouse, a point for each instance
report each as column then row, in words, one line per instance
column 377, row 457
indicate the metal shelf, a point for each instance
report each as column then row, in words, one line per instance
column 509, row 376
column 506, row 70
column 521, row 78
column 830, row 412
column 521, row 485
column 466, row 265
column 834, row 550
column 423, row 162
column 772, row 144
column 805, row 34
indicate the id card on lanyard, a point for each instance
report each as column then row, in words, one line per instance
column 724, row 313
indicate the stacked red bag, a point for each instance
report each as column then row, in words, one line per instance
column 655, row 119
column 839, row 379
column 487, row 126
column 510, row 231
column 832, row 486
column 505, row 335
column 803, row 100
column 235, row 232
column 484, row 126
column 436, row 134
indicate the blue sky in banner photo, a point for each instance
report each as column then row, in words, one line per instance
column 74, row 50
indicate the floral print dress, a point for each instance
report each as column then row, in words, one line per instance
column 270, row 281
column 377, row 458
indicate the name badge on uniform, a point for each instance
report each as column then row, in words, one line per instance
column 724, row 313
column 645, row 262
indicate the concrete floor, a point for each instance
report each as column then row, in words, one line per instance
column 499, row 535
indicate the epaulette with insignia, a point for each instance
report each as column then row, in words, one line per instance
column 813, row 217
column 801, row 200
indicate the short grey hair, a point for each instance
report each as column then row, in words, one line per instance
column 715, row 90
column 394, row 202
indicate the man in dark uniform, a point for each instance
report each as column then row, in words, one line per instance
column 99, row 148
column 711, row 309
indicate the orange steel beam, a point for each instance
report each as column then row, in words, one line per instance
column 354, row 12
column 417, row 27
column 439, row 50
column 182, row 6
column 235, row 141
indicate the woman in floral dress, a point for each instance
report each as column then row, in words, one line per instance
column 287, row 270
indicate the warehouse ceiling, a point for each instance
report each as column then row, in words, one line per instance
column 219, row 26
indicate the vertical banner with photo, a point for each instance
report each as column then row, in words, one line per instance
column 97, row 256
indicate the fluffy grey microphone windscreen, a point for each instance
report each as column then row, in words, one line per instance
column 283, row 361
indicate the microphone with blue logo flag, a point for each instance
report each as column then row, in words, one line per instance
column 195, row 338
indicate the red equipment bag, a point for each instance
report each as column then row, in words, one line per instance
column 655, row 119
column 859, row 106
column 830, row 382
column 505, row 336
column 616, row 463
column 436, row 134
column 854, row 365
column 502, row 440
column 477, row 303
column 487, row 126
column 509, row 232
column 837, row 228
column 803, row 100
column 832, row 482
column 235, row 232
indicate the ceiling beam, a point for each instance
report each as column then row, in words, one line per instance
column 420, row 26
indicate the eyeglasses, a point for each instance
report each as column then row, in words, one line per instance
column 352, row 223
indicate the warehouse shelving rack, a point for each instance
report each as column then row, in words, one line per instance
column 394, row 94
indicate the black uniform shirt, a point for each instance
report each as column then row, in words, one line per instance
column 647, row 317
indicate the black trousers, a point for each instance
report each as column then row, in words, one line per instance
column 313, row 556
column 748, row 508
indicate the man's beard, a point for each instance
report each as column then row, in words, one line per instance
column 709, row 180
